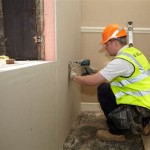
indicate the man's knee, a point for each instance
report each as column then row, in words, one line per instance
column 103, row 88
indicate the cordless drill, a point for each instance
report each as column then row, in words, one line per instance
column 85, row 67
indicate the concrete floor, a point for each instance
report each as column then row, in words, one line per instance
column 83, row 135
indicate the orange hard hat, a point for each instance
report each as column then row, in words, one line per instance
column 112, row 31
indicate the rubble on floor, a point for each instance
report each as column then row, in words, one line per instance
column 83, row 135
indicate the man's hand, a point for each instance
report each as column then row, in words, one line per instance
column 73, row 74
column 87, row 70
column 71, row 70
column 94, row 70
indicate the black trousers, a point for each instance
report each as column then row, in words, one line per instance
column 107, row 102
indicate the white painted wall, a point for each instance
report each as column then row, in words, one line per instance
column 38, row 104
column 35, row 114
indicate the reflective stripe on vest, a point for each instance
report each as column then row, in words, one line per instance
column 132, row 80
column 138, row 93
column 132, row 58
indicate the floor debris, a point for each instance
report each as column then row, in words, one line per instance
column 82, row 136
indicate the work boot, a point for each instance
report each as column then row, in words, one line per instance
column 146, row 130
column 105, row 135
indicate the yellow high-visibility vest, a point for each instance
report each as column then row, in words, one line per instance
column 133, row 90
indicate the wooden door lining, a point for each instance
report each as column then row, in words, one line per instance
column 40, row 28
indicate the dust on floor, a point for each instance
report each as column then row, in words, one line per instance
column 82, row 136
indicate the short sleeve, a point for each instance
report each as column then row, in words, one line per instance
column 117, row 67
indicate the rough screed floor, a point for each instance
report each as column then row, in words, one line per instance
column 83, row 135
